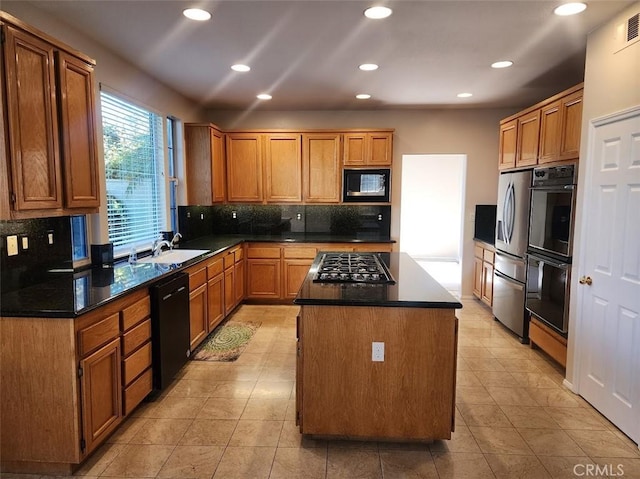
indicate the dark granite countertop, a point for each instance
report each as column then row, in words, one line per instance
column 70, row 294
column 414, row 288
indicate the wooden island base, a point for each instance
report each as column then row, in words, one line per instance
column 341, row 392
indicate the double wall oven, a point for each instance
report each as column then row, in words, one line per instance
column 549, row 251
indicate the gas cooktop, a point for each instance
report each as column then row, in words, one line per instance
column 352, row 268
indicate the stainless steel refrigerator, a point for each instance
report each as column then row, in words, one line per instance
column 512, row 231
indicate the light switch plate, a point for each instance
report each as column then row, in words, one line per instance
column 12, row 245
column 25, row 243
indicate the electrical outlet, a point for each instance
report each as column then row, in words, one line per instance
column 234, row 215
column 12, row 245
column 377, row 351
column 299, row 216
column 50, row 237
column 201, row 216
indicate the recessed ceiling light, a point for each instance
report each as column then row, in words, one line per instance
column 502, row 64
column 377, row 12
column 240, row 68
column 264, row 96
column 196, row 14
column 464, row 95
column 368, row 67
column 363, row 96
column 570, row 9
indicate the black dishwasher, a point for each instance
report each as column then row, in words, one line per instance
column 169, row 328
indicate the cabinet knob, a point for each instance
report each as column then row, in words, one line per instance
column 586, row 280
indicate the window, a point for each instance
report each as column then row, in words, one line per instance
column 134, row 168
column 79, row 244
column 173, row 180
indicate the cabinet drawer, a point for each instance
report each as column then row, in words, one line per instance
column 136, row 313
column 229, row 260
column 137, row 391
column 136, row 363
column 478, row 251
column 136, row 337
column 91, row 338
column 197, row 278
column 238, row 254
column 264, row 252
column 215, row 268
column 302, row 252
column 489, row 256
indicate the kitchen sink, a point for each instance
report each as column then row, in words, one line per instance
column 174, row 256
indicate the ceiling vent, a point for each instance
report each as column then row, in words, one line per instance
column 627, row 33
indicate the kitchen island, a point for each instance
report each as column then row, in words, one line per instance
column 407, row 392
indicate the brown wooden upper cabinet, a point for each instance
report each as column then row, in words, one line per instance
column 244, row 167
column 51, row 124
column 321, row 167
column 508, row 142
column 548, row 132
column 282, row 168
column 205, row 164
column 560, row 129
column 368, row 148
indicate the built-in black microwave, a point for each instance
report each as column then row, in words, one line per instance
column 366, row 186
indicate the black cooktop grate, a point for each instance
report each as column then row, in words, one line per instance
column 352, row 268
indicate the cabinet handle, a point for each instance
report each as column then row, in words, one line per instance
column 586, row 280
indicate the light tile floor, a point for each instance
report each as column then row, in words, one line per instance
column 514, row 420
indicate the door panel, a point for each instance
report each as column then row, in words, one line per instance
column 608, row 312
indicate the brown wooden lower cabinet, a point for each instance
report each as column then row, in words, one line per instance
column 342, row 392
column 215, row 301
column 198, row 315
column 81, row 394
column 543, row 337
column 484, row 258
column 101, row 393
column 275, row 271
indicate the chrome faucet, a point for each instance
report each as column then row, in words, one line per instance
column 175, row 239
column 158, row 243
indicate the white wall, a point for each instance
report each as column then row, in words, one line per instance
column 611, row 84
column 432, row 206
column 452, row 131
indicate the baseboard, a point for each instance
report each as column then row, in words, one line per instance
column 569, row 385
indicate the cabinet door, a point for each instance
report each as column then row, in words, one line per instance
column 263, row 278
column 283, row 168
column 101, row 393
column 215, row 301
column 78, row 132
column 244, row 167
column 239, row 282
column 550, row 122
column 198, row 315
column 355, row 149
column 380, row 146
column 528, row 135
column 477, row 277
column 294, row 273
column 508, row 143
column 321, row 167
column 571, row 107
column 32, row 122
column 229, row 290
column 487, row 283
column 218, row 176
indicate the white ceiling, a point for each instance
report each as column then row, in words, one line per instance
column 306, row 52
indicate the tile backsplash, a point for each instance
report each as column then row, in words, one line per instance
column 29, row 266
column 361, row 222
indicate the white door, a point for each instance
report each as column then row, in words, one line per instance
column 608, row 311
